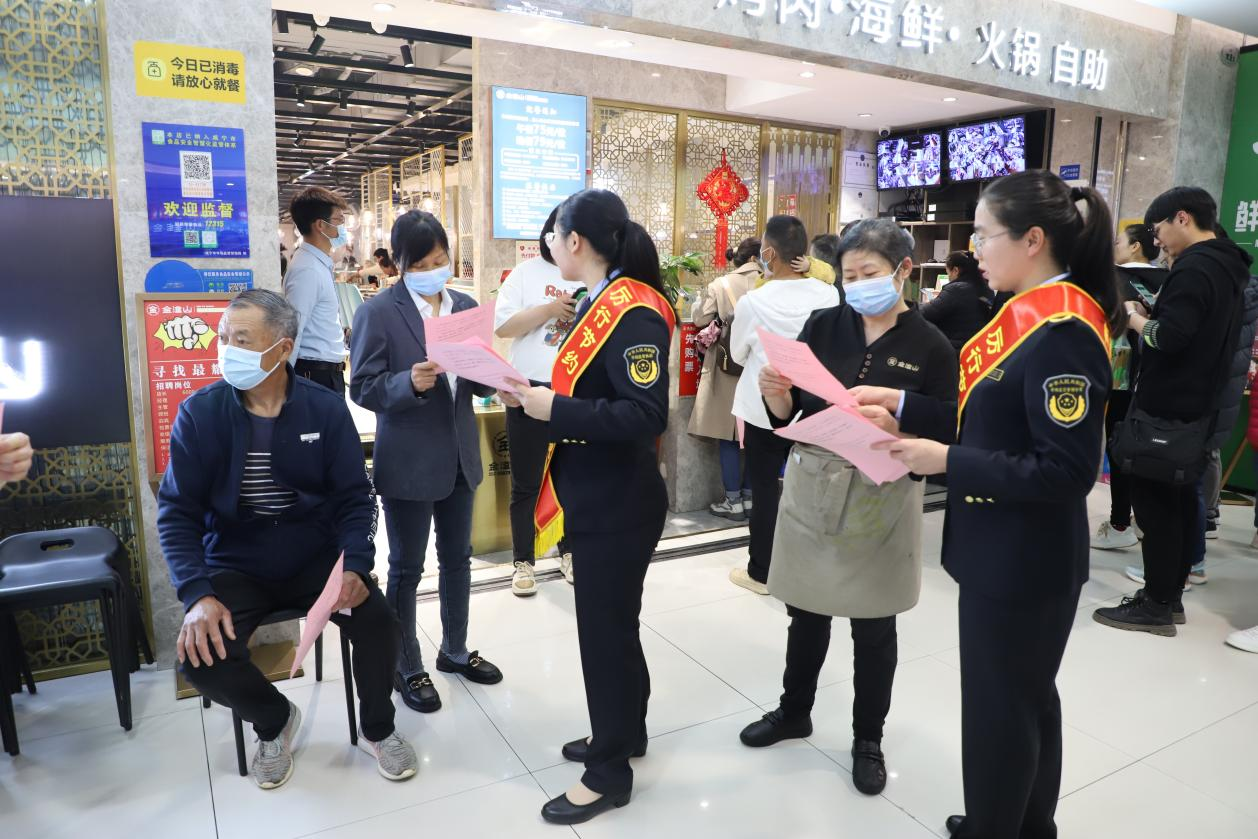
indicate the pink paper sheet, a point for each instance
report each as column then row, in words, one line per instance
column 463, row 326
column 476, row 361
column 319, row 614
column 795, row 360
column 849, row 435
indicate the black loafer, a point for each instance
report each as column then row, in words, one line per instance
column 773, row 727
column 418, row 692
column 869, row 767
column 954, row 824
column 476, row 670
column 577, row 750
column 562, row 811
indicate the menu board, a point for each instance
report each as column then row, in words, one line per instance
column 180, row 357
column 539, row 157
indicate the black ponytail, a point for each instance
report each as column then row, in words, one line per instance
column 1079, row 241
column 601, row 218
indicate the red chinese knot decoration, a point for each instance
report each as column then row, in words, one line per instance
column 724, row 192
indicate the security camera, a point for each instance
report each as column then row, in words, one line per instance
column 884, row 132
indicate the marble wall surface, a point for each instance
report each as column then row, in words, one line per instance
column 243, row 25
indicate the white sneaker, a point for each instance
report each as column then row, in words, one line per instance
column 1197, row 576
column 740, row 577
column 523, row 581
column 1212, row 530
column 1110, row 538
column 1244, row 639
column 565, row 567
column 727, row 509
column 747, row 504
column 395, row 759
column 1135, row 573
column 272, row 764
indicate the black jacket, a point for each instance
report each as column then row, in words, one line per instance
column 1193, row 332
column 605, row 469
column 1020, row 473
column 1238, row 373
column 962, row 308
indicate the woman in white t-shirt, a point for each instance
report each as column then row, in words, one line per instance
column 536, row 307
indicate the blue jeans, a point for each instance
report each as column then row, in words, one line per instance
column 732, row 476
column 408, row 524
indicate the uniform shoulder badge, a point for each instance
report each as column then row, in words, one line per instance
column 1066, row 399
column 643, row 362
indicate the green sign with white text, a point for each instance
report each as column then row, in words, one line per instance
column 1239, row 211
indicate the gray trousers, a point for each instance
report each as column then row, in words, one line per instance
column 1212, row 484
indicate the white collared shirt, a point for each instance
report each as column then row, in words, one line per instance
column 1055, row 279
column 425, row 312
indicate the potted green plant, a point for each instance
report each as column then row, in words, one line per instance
column 672, row 267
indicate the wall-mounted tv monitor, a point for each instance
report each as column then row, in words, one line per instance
column 987, row 150
column 910, row 162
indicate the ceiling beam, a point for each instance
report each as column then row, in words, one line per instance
column 314, row 83
column 436, row 117
column 365, row 64
column 402, row 33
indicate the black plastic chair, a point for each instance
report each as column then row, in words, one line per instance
column 55, row 567
column 347, row 666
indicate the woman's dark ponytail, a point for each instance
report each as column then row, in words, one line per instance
column 601, row 218
column 1079, row 240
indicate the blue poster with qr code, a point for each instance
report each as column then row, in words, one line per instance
column 194, row 176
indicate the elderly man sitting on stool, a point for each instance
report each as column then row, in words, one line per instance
column 266, row 487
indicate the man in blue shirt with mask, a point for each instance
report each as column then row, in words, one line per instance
column 266, row 487
column 319, row 351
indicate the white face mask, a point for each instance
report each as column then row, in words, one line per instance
column 242, row 368
column 873, row 296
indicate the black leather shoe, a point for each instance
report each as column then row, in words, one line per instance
column 418, row 692
column 577, row 750
column 1139, row 613
column 869, row 767
column 773, row 727
column 562, row 811
column 476, row 670
column 953, row 824
column 1177, row 610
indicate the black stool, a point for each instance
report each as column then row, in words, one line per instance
column 55, row 567
column 347, row 666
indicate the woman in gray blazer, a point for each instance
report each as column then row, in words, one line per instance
column 427, row 453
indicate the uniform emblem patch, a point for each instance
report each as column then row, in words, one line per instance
column 643, row 362
column 1066, row 399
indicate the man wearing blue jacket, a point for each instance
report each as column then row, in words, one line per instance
column 266, row 487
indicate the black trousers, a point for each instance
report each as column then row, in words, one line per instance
column 1119, row 481
column 609, row 569
column 766, row 455
column 1169, row 516
column 331, row 376
column 1011, row 650
column 876, row 652
column 238, row 684
column 529, row 441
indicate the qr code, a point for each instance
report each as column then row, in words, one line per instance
column 192, row 238
column 196, row 174
column 209, row 238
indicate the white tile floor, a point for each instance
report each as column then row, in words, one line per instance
column 1160, row 732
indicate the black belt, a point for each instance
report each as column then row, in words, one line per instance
column 309, row 364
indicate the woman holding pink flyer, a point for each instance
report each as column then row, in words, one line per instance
column 846, row 545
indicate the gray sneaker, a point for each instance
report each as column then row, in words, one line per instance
column 394, row 756
column 273, row 761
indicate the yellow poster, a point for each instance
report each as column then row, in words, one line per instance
column 176, row 71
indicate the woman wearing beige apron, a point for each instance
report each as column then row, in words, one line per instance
column 844, row 546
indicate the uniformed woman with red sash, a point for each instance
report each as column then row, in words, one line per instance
column 602, row 488
column 1033, row 387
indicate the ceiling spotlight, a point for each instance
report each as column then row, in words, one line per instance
column 344, row 97
column 950, row 99
column 807, row 74
column 383, row 7
column 655, row 75
column 863, row 116
column 1067, row 121
column 408, row 57
column 410, row 108
column 1157, row 136
column 379, row 26
column 281, row 22
column 316, row 44
column 303, row 70
column 321, row 20
column 301, row 98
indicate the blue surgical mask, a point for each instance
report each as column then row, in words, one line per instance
column 874, row 296
column 342, row 237
column 242, row 368
column 428, row 282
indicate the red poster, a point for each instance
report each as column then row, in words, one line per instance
column 180, row 357
column 788, row 205
column 688, row 381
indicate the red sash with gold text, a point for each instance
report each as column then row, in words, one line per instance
column 1017, row 321
column 575, row 355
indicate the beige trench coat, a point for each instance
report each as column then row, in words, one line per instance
column 714, row 402
column 845, row 546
